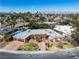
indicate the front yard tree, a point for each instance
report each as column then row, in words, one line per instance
column 7, row 37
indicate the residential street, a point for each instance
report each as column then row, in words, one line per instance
column 67, row 54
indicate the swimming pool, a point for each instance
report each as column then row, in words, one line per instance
column 17, row 32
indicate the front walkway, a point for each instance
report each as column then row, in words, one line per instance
column 13, row 45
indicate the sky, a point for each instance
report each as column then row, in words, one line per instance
column 39, row 5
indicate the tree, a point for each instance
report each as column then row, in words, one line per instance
column 38, row 38
column 75, row 23
column 42, row 19
column 29, row 47
column 7, row 37
column 64, row 22
column 11, row 21
column 34, row 25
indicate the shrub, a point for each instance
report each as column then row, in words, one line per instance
column 7, row 37
column 28, row 47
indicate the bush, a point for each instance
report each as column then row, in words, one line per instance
column 7, row 37
column 29, row 47
column 38, row 38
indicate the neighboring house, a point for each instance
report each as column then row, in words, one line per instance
column 24, row 35
column 5, row 30
column 57, row 18
column 50, row 23
column 65, row 29
column 19, row 20
column 67, row 18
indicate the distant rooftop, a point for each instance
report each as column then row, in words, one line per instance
column 5, row 30
column 66, row 29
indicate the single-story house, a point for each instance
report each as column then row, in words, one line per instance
column 25, row 34
column 66, row 29
column 19, row 20
column 5, row 30
column 50, row 23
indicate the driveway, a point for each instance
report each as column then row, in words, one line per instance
column 13, row 45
